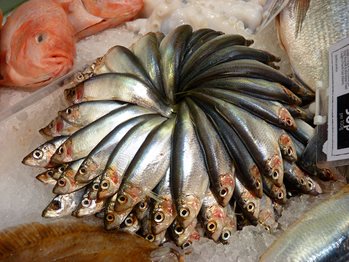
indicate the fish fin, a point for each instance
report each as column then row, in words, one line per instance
column 153, row 195
column 300, row 8
column 25, row 236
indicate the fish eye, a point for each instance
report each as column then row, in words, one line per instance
column 39, row 38
column 61, row 182
column 267, row 228
column 280, row 195
column 68, row 111
column 211, row 226
column 61, row 169
column 179, row 230
column 38, row 154
column 86, row 202
column 79, row 76
column 223, row 192
column 105, row 184
column 301, row 181
column 289, row 151
column 275, row 174
column 55, row 205
column 50, row 125
column 50, row 172
column 143, row 205
column 186, row 245
column 82, row 170
column 250, row 207
column 110, row 217
column 310, row 184
column 226, row 235
column 150, row 237
column 159, row 217
column 60, row 150
column 184, row 212
column 95, row 186
column 288, row 122
column 258, row 184
column 122, row 199
column 129, row 221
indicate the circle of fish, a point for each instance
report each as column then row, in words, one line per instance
column 179, row 130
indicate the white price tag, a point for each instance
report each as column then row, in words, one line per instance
column 338, row 110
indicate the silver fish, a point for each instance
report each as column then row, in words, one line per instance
column 46, row 177
column 113, row 219
column 41, row 156
column 163, row 212
column 266, row 215
column 131, row 224
column 184, row 237
column 230, row 225
column 83, row 141
column 121, row 87
column 147, row 50
column 97, row 159
column 63, row 205
column 172, row 49
column 321, row 234
column 220, row 167
column 123, row 154
column 85, row 113
column 147, row 167
column 58, row 127
column 189, row 177
column 306, row 29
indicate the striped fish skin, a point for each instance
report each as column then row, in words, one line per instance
column 220, row 167
column 321, row 234
column 189, row 177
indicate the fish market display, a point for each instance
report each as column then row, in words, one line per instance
column 35, row 51
column 306, row 29
column 180, row 131
column 321, row 234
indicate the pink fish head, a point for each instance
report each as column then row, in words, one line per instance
column 37, row 45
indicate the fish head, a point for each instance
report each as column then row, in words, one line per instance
column 275, row 169
column 257, row 181
column 142, row 208
column 163, row 214
column 279, row 193
column 314, row 187
column 267, row 216
column 86, row 171
column 326, row 174
column 64, row 153
column 75, row 94
column 109, row 184
column 286, row 119
column 113, row 219
column 188, row 208
column 230, row 226
column 131, row 224
column 226, row 188
column 287, row 148
column 46, row 177
column 86, row 207
column 41, row 156
column 250, row 204
column 58, row 207
column 128, row 197
column 54, row 128
column 214, row 217
column 65, row 184
column 71, row 113
column 184, row 237
column 38, row 43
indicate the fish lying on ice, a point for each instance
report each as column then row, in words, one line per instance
column 306, row 30
column 322, row 234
